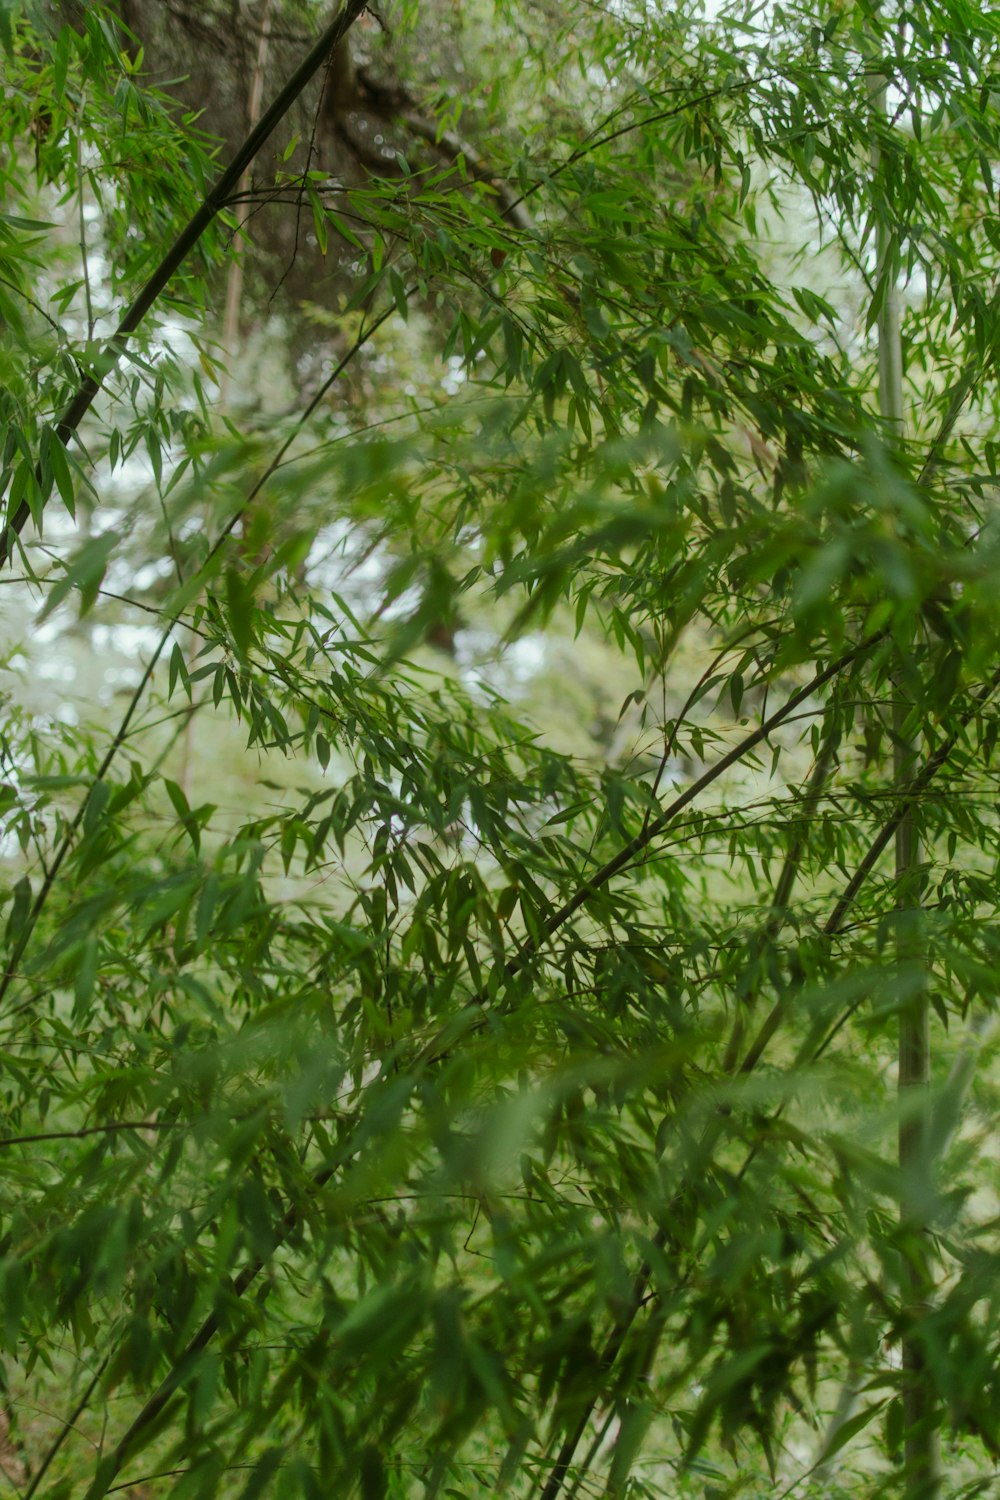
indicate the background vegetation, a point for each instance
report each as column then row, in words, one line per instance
column 500, row 658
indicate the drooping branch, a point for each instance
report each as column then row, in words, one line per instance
column 111, row 1465
column 662, row 822
column 398, row 102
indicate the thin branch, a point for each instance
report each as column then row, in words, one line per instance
column 109, row 1128
column 112, row 1127
column 776, row 920
column 657, row 118
column 658, row 825
column 66, row 1428
column 35, row 306
column 110, row 1467
column 69, row 837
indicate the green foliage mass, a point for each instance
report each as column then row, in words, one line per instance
column 423, row 1072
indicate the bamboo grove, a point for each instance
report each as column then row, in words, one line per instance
column 410, row 1086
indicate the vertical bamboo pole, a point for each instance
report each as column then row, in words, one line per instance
column 920, row 1447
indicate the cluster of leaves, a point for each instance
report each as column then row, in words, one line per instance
column 463, row 1113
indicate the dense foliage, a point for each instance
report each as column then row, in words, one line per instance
column 423, row 1072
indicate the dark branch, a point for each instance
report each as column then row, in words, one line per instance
column 183, row 245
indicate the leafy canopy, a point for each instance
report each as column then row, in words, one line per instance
column 403, row 1090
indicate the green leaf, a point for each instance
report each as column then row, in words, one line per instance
column 240, row 606
column 19, row 911
column 849, row 1429
column 85, row 572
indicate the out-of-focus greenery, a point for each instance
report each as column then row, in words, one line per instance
column 452, row 956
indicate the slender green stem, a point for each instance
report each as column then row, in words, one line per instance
column 921, row 1479
column 66, row 1428
column 920, row 1420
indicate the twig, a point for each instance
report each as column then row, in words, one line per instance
column 66, row 1429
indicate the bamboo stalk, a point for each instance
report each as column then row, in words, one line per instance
column 921, row 1464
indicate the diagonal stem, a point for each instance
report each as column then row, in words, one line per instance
column 776, row 920
column 69, row 837
column 187, row 239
